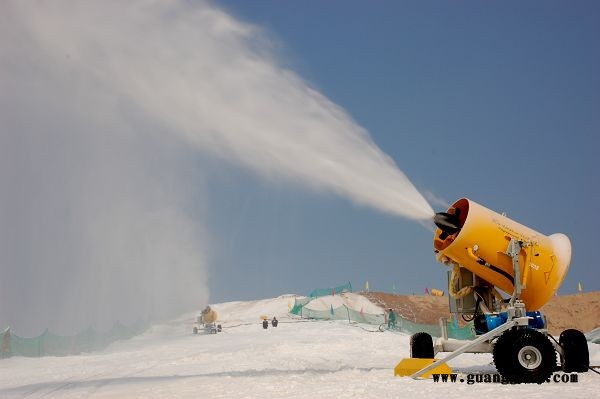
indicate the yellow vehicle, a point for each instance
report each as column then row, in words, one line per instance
column 489, row 253
column 206, row 322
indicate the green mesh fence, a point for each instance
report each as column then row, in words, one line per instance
column 49, row 344
column 340, row 313
column 593, row 336
column 434, row 330
column 298, row 305
column 402, row 324
column 318, row 292
column 367, row 318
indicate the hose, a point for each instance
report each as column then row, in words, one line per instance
column 464, row 291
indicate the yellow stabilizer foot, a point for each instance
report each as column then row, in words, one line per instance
column 409, row 366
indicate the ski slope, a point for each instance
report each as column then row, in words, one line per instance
column 298, row 359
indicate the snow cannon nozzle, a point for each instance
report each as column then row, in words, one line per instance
column 447, row 222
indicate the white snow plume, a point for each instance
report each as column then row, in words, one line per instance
column 96, row 219
column 207, row 76
column 95, row 225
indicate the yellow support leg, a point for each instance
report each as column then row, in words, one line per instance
column 409, row 366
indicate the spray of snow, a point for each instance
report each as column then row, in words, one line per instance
column 211, row 78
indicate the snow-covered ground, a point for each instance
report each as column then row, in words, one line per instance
column 298, row 359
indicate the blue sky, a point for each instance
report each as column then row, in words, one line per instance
column 496, row 101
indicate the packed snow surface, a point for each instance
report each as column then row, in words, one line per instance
column 298, row 359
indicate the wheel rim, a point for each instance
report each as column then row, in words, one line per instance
column 530, row 357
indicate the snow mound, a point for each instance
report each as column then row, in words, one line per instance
column 251, row 311
column 352, row 301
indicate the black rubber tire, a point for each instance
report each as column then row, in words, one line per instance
column 514, row 345
column 421, row 346
column 576, row 356
column 195, row 330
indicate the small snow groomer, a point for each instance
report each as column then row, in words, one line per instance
column 207, row 322
column 488, row 253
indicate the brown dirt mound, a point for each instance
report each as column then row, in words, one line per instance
column 418, row 308
column 580, row 311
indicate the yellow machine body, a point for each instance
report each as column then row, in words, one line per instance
column 484, row 235
column 409, row 366
column 210, row 316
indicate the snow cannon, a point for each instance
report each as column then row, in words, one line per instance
column 207, row 322
column 478, row 239
column 209, row 316
column 489, row 253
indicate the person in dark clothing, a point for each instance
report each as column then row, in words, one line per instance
column 274, row 322
column 391, row 319
column 265, row 324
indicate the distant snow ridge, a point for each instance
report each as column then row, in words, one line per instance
column 251, row 311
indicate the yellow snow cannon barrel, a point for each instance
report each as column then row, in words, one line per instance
column 436, row 292
column 478, row 238
column 209, row 315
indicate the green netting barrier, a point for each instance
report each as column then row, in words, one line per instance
column 298, row 305
column 593, row 336
column 318, row 292
column 402, row 324
column 49, row 344
column 454, row 331
column 366, row 318
column 340, row 313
